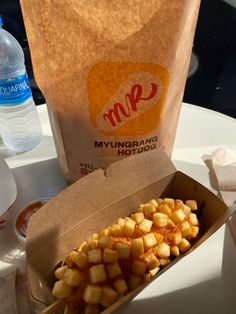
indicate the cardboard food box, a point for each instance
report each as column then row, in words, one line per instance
column 95, row 201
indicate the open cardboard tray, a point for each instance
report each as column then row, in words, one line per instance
column 95, row 201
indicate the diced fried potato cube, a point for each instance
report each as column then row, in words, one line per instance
column 193, row 219
column 91, row 309
column 146, row 277
column 137, row 247
column 145, row 226
column 129, row 227
column 174, row 250
column 177, row 216
column 149, row 240
column 97, row 273
column 178, row 204
column 92, row 294
column 60, row 271
column 176, row 238
column 164, row 261
column 109, row 296
column 105, row 242
column 184, row 245
column 185, row 228
column 105, row 232
column 153, row 202
column 61, row 289
column 123, row 249
column 164, row 208
column 73, row 277
column 151, row 260
column 137, row 217
column 149, row 209
column 192, row 204
column 120, row 221
column 95, row 256
column 113, row 270
column 170, row 202
column 110, row 256
column 186, row 209
column 81, row 259
column 140, row 209
column 70, row 258
column 120, row 285
column 159, row 237
column 134, row 281
column 159, row 201
column 138, row 267
column 195, row 230
column 94, row 236
column 84, row 246
column 117, row 230
column 154, row 271
column 93, row 244
column 160, row 220
column 163, row 250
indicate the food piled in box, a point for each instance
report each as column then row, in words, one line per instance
column 99, row 247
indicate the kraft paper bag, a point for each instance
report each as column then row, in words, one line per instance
column 113, row 74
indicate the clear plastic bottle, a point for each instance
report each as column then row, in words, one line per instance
column 19, row 122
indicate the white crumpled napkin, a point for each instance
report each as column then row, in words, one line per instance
column 224, row 166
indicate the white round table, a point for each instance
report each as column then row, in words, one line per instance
column 204, row 281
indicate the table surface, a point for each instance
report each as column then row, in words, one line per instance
column 204, row 281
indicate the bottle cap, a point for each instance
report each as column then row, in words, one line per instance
column 21, row 222
column 1, row 23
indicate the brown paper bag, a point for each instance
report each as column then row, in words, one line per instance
column 113, row 74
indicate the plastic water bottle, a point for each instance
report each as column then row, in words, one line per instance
column 19, row 122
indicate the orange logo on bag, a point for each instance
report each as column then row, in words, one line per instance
column 126, row 98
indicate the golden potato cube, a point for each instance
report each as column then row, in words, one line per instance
column 113, row 270
column 95, row 256
column 186, row 209
column 97, row 273
column 137, row 217
column 176, row 238
column 93, row 244
column 117, row 230
column 193, row 219
column 192, row 204
column 70, row 258
column 146, row 277
column 140, row 209
column 184, row 245
column 105, row 232
column 137, row 247
column 163, row 250
column 61, row 289
column 145, row 226
column 129, row 227
column 195, row 230
column 138, row 267
column 159, row 237
column 164, row 208
column 120, row 285
column 159, row 201
column 170, row 202
column 174, row 250
column 160, row 220
column 186, row 229
column 94, row 236
column 72, row 277
column 153, row 202
column 164, row 261
column 84, row 246
column 123, row 249
column 110, row 256
column 92, row 294
column 177, row 216
column 120, row 221
column 134, row 281
column 109, row 296
column 60, row 271
column 149, row 241
column 178, row 203
column 105, row 242
column 149, row 209
column 91, row 309
column 81, row 259
column 154, row 271
column 151, row 260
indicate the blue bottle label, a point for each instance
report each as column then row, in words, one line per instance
column 14, row 91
